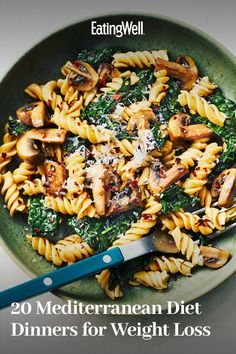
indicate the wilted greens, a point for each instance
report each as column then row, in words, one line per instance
column 101, row 233
column 42, row 221
column 174, row 198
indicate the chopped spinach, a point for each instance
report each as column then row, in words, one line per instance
column 169, row 105
column 97, row 56
column 223, row 104
column 227, row 159
column 101, row 233
column 74, row 143
column 15, row 127
column 174, row 198
column 96, row 111
column 140, row 90
column 159, row 140
column 42, row 221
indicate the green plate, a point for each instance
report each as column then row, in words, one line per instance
column 42, row 63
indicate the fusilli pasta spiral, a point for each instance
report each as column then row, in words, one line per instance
column 187, row 247
column 73, row 249
column 82, row 205
column 154, row 279
column 198, row 178
column 138, row 59
column 33, row 187
column 170, row 265
column 203, row 87
column 103, row 279
column 11, row 194
column 158, row 89
column 83, row 129
column 199, row 105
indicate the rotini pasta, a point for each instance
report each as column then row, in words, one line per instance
column 158, row 90
column 73, row 249
column 203, row 87
column 154, row 279
column 103, row 279
column 198, row 178
column 81, row 206
column 186, row 220
column 23, row 173
column 11, row 194
column 7, row 150
column 75, row 166
column 45, row 249
column 187, row 247
column 33, row 187
column 199, row 105
column 139, row 59
column 83, row 129
column 170, row 265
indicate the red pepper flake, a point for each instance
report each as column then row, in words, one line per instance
column 175, row 117
column 134, row 183
column 116, row 97
column 194, row 174
column 162, row 173
column 19, row 202
column 50, row 220
column 77, row 63
column 197, row 168
column 115, row 188
column 37, row 230
column 147, row 217
column 217, row 185
column 29, row 177
column 4, row 155
column 78, row 123
column 203, row 222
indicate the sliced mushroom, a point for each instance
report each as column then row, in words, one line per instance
column 164, row 242
column 127, row 199
column 141, row 120
column 179, row 129
column 82, row 75
column 160, row 178
column 26, row 146
column 224, row 187
column 107, row 72
column 34, row 114
column 214, row 257
column 183, row 69
column 56, row 175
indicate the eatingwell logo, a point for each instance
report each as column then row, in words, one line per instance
column 120, row 30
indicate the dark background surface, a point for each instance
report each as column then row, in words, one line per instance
column 22, row 24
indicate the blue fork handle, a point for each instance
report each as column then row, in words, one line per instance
column 61, row 277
